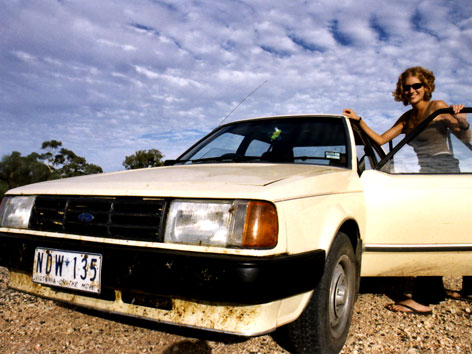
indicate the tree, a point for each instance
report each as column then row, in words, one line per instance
column 17, row 170
column 144, row 159
column 65, row 163
column 58, row 162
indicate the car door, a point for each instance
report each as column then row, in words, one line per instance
column 419, row 222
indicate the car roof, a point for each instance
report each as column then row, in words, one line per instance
column 287, row 116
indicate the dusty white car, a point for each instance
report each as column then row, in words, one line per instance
column 261, row 224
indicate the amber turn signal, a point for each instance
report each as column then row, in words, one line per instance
column 261, row 227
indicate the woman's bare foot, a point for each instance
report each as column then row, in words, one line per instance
column 410, row 306
column 457, row 295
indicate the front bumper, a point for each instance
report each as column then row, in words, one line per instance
column 233, row 279
column 245, row 320
column 226, row 293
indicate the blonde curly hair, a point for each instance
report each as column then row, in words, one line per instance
column 424, row 75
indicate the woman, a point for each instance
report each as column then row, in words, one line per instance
column 415, row 87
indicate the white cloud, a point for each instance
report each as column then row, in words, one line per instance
column 146, row 72
column 24, row 56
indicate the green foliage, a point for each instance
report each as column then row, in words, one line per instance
column 64, row 162
column 144, row 159
column 56, row 162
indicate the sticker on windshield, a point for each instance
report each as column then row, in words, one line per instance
column 334, row 155
column 275, row 134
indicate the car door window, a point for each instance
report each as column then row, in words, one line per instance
column 368, row 152
column 434, row 149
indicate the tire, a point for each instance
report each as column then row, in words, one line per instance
column 324, row 324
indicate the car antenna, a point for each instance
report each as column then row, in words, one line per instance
column 244, row 99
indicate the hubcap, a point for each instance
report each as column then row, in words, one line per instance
column 340, row 293
column 339, row 296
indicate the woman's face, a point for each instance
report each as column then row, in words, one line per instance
column 414, row 89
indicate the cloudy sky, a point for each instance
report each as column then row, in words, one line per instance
column 108, row 78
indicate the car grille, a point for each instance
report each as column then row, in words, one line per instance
column 120, row 218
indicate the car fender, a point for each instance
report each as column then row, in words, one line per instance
column 312, row 223
column 337, row 217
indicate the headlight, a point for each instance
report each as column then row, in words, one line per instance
column 250, row 224
column 15, row 212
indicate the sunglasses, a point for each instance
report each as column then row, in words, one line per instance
column 416, row 86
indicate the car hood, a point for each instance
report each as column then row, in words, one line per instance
column 244, row 181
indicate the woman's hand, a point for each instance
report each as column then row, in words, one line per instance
column 461, row 117
column 351, row 114
column 457, row 108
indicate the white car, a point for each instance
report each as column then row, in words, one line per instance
column 261, row 224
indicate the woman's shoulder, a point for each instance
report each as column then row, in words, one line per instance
column 437, row 104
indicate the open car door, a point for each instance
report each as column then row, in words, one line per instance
column 419, row 221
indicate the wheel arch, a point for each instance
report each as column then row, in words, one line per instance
column 348, row 226
column 351, row 229
column 340, row 220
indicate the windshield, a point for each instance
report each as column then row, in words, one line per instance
column 305, row 140
column 435, row 147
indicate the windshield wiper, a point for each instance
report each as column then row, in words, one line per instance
column 304, row 158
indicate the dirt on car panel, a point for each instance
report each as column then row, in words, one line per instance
column 234, row 319
column 210, row 316
column 207, row 315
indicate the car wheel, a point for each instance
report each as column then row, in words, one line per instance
column 324, row 324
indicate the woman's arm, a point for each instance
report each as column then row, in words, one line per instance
column 457, row 123
column 389, row 135
column 464, row 133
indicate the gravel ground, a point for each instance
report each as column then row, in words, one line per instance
column 32, row 325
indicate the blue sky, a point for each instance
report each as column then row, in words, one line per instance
column 108, row 78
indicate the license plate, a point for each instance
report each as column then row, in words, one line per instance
column 68, row 269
